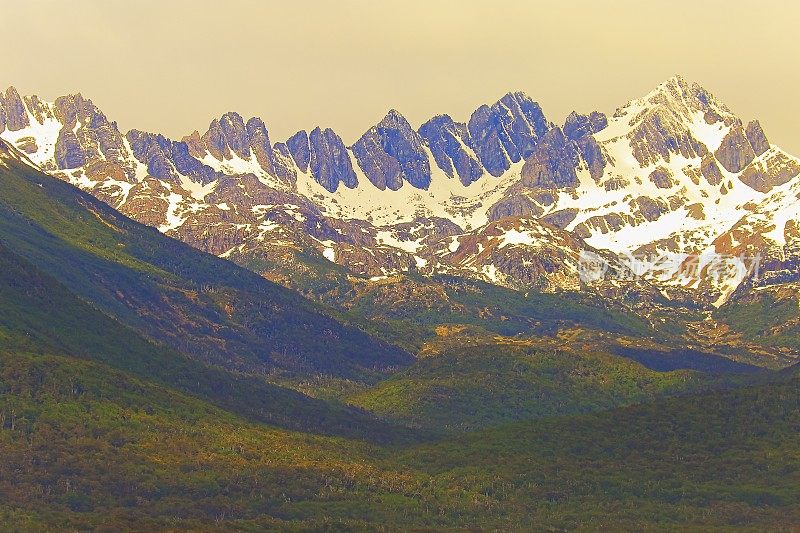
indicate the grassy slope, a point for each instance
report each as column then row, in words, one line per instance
column 479, row 382
column 765, row 318
column 409, row 310
column 38, row 314
column 192, row 301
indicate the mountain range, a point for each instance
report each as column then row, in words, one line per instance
column 507, row 197
column 225, row 332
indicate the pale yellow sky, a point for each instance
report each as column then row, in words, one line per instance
column 172, row 65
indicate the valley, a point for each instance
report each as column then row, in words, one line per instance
column 223, row 333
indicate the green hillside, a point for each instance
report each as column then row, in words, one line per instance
column 480, row 381
column 715, row 461
column 85, row 446
column 38, row 315
column 193, row 302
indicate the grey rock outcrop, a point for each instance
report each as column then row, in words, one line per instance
column 735, row 152
column 553, row 164
column 449, row 143
column 88, row 136
column 299, row 149
column 514, row 205
column 578, row 126
column 16, row 116
column 330, row 161
column 764, row 175
column 756, row 137
column 392, row 152
column 166, row 159
column 661, row 178
column 229, row 137
column 507, row 131
column 710, row 170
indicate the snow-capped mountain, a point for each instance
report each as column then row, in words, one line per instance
column 673, row 181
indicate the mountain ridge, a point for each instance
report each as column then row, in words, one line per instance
column 677, row 173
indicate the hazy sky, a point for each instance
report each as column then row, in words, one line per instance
column 172, row 65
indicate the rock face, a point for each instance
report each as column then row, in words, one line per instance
column 226, row 134
column 663, row 128
column 167, row 159
column 661, row 178
column 15, row 114
column 330, row 161
column 87, row 136
column 756, row 137
column 775, row 170
column 560, row 219
column 553, row 163
column 735, row 152
column 710, row 170
column 593, row 156
column 449, row 142
column 659, row 136
column 578, row 126
column 269, row 157
column 298, row 147
column 506, row 132
column 392, row 152
column 648, row 208
column 229, row 138
column 514, row 205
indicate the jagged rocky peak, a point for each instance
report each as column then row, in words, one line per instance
column 392, row 152
column 507, row 131
column 227, row 134
column 14, row 115
column 578, row 126
column 679, row 118
column 87, row 136
column 685, row 99
column 167, row 159
column 562, row 152
column 70, row 133
column 553, row 164
column 300, row 150
column 39, row 109
column 226, row 137
column 449, row 142
column 230, row 138
column 73, row 110
column 329, row 160
column 194, row 142
column 258, row 143
column 670, row 120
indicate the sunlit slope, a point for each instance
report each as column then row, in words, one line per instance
column 193, row 302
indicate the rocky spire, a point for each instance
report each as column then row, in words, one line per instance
column 449, row 142
column 506, row 131
column 15, row 113
column 392, row 152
